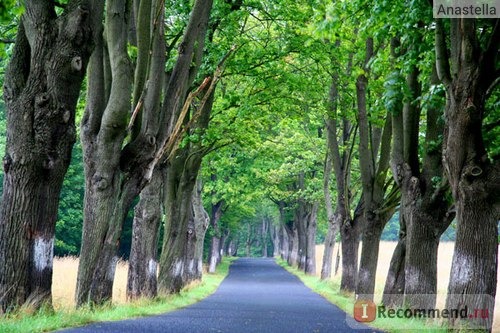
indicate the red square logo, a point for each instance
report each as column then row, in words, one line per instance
column 365, row 311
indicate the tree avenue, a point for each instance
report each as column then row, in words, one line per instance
column 235, row 127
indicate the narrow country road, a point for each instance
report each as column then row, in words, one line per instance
column 257, row 296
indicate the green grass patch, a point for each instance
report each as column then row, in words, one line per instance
column 45, row 321
column 331, row 291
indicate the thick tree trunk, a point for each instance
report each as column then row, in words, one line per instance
column 214, row 255
column 232, row 247
column 264, row 234
column 103, row 129
column 143, row 261
column 340, row 163
column 349, row 233
column 248, row 240
column 369, row 256
column 300, row 220
column 310, row 267
column 222, row 245
column 395, row 282
column 473, row 177
column 177, row 262
column 284, row 243
column 326, row 268
column 201, row 222
column 275, row 237
column 293, row 247
column 178, row 238
column 42, row 86
column 373, row 141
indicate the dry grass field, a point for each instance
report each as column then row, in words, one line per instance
column 445, row 255
column 64, row 282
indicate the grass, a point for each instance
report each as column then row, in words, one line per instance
column 63, row 316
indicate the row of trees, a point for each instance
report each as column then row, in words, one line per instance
column 336, row 112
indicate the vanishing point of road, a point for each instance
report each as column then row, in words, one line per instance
column 257, row 296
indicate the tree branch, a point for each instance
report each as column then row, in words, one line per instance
column 442, row 59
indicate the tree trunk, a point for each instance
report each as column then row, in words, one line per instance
column 395, row 283
column 300, row 220
column 340, row 162
column 42, row 86
column 222, row 245
column 177, row 262
column 232, row 248
column 214, row 255
column 177, row 250
column 284, row 243
column 264, row 233
column 103, row 131
column 473, row 177
column 369, row 256
column 377, row 207
column 275, row 236
column 293, row 247
column 142, row 280
column 248, row 241
column 310, row 267
column 201, row 222
column 349, row 233
column 283, row 232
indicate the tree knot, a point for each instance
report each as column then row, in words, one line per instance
column 76, row 63
column 100, row 182
column 42, row 100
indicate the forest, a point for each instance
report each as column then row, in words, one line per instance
column 171, row 133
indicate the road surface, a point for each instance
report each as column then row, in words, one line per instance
column 257, row 296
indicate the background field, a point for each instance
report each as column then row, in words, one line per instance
column 64, row 282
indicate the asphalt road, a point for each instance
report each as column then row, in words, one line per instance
column 256, row 296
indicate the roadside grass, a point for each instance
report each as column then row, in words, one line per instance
column 47, row 320
column 330, row 290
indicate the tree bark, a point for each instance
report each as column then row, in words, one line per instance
column 178, row 251
column 143, row 261
column 350, row 232
column 107, row 199
column 473, row 177
column 333, row 224
column 264, row 233
column 275, row 237
column 214, row 257
column 293, row 246
column 340, row 162
column 42, row 86
column 377, row 208
column 310, row 267
column 201, row 222
column 424, row 203
column 222, row 245
column 284, row 241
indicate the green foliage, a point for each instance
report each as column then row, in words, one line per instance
column 70, row 216
column 491, row 128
